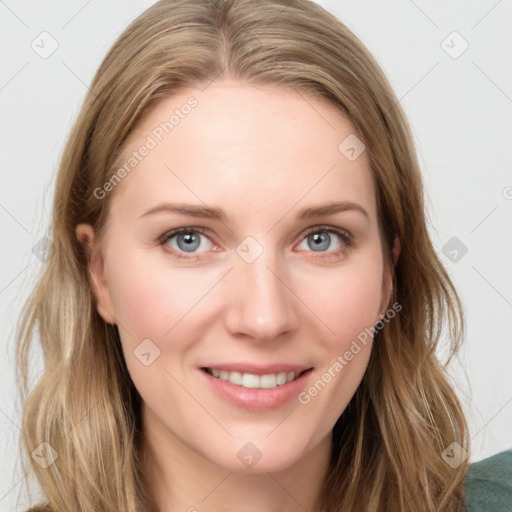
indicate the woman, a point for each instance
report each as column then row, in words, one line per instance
column 242, row 304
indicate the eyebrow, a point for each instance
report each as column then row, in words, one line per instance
column 207, row 212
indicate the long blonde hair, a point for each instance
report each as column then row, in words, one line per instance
column 386, row 453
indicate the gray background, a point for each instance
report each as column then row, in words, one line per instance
column 460, row 109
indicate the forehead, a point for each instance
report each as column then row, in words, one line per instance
column 249, row 147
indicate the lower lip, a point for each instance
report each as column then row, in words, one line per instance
column 257, row 399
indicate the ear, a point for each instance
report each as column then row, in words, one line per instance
column 97, row 278
column 387, row 288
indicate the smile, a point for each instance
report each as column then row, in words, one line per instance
column 250, row 380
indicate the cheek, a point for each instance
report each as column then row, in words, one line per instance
column 157, row 303
column 349, row 310
column 348, row 301
column 149, row 300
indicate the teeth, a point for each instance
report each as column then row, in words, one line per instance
column 249, row 380
column 281, row 378
column 235, row 378
column 268, row 381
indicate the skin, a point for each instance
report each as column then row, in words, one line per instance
column 261, row 154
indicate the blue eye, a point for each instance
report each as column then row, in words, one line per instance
column 187, row 243
column 186, row 240
column 319, row 239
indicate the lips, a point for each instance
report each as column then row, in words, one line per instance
column 259, row 390
column 253, row 376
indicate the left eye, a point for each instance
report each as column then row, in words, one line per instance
column 321, row 240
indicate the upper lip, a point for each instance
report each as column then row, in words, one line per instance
column 259, row 369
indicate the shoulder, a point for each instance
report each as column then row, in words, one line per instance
column 488, row 484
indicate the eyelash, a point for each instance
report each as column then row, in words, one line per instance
column 346, row 238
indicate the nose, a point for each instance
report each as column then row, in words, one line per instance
column 261, row 304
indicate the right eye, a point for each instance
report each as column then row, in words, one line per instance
column 181, row 241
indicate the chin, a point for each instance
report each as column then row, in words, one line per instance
column 266, row 453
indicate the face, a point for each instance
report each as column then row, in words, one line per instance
column 221, row 260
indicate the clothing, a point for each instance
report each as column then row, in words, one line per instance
column 488, row 484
